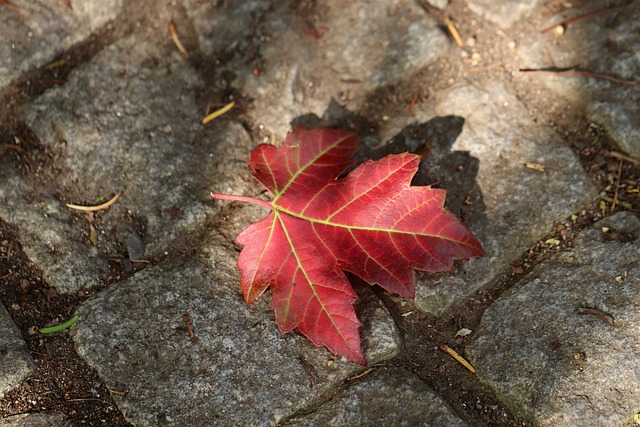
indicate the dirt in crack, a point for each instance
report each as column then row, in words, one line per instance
column 424, row 334
column 62, row 382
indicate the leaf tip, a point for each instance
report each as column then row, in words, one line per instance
column 359, row 359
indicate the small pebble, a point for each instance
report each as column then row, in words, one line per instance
column 135, row 246
column 558, row 30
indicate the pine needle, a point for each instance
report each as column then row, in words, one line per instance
column 94, row 208
column 459, row 358
column 176, row 39
column 218, row 113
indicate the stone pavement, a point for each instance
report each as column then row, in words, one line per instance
column 121, row 113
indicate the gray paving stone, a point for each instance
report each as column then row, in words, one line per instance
column 241, row 370
column 512, row 205
column 296, row 79
column 299, row 75
column 128, row 121
column 386, row 397
column 39, row 419
column 614, row 106
column 547, row 360
column 503, row 13
column 15, row 361
column 40, row 30
column 125, row 122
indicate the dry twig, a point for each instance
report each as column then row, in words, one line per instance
column 9, row 5
column 621, row 156
column 55, row 64
column 615, row 194
column 218, row 113
column 581, row 18
column 117, row 392
column 459, row 358
column 307, row 366
column 176, row 40
column 13, row 147
column 414, row 101
column 454, row 32
column 604, row 316
column 578, row 72
column 360, row 375
column 94, row 208
column 535, row 166
column 187, row 322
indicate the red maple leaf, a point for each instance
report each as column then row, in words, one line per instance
column 371, row 223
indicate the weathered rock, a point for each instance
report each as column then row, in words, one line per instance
column 127, row 119
column 303, row 64
column 613, row 105
column 36, row 31
column 385, row 397
column 240, row 371
column 15, row 361
column 562, row 345
column 40, row 419
column 503, row 13
column 509, row 205
column 125, row 122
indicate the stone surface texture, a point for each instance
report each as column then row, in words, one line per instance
column 503, row 14
column 547, row 358
column 16, row 363
column 608, row 104
column 303, row 75
column 40, row 419
column 241, row 370
column 502, row 215
column 101, row 102
column 154, row 152
column 41, row 30
column 373, row 401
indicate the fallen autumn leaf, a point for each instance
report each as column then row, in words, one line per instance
column 371, row 223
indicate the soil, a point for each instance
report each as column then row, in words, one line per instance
column 63, row 383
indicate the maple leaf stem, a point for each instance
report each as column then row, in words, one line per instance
column 242, row 199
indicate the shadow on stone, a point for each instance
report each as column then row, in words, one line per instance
column 337, row 116
column 440, row 167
